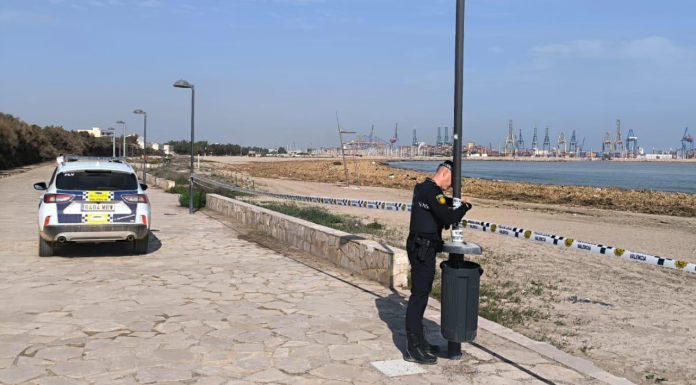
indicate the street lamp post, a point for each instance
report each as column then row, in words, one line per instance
column 343, row 152
column 184, row 84
column 141, row 112
column 113, row 140
column 124, row 137
column 460, row 278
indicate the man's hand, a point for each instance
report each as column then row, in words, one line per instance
column 456, row 203
column 467, row 204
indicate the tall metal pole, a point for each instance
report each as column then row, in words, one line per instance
column 458, row 101
column 340, row 137
column 124, row 140
column 113, row 143
column 145, row 149
column 193, row 103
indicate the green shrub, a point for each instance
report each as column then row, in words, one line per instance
column 198, row 199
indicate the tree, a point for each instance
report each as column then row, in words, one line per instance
column 282, row 150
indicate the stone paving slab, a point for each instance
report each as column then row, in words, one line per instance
column 209, row 306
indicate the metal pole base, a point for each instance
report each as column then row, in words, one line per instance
column 454, row 350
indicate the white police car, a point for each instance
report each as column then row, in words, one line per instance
column 93, row 200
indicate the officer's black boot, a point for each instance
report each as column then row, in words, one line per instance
column 427, row 346
column 417, row 352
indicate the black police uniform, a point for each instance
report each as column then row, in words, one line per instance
column 430, row 212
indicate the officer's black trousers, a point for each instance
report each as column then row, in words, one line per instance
column 422, row 275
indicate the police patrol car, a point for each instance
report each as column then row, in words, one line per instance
column 93, row 200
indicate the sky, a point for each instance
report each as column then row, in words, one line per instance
column 275, row 72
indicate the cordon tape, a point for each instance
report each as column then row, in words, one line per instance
column 493, row 228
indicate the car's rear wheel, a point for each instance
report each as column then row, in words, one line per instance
column 140, row 245
column 46, row 248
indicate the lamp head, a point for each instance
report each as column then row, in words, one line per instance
column 140, row 112
column 182, row 84
column 120, row 122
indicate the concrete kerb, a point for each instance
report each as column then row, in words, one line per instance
column 370, row 259
column 542, row 348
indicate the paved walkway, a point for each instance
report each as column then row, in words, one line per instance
column 209, row 306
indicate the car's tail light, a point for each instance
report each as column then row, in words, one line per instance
column 58, row 198
column 46, row 220
column 144, row 219
column 136, row 198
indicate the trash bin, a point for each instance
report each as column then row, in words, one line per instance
column 460, row 299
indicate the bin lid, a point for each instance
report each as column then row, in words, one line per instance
column 462, row 248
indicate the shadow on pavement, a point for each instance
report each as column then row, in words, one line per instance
column 106, row 249
column 392, row 311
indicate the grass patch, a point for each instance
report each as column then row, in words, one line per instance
column 324, row 217
column 199, row 194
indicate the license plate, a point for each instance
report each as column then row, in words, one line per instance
column 97, row 207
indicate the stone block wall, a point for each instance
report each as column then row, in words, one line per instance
column 373, row 260
column 162, row 183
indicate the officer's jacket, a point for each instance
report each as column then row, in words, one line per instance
column 431, row 211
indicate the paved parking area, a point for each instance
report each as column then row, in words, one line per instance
column 208, row 305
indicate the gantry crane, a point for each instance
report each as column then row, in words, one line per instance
column 510, row 140
column 687, row 145
column 607, row 146
column 631, row 144
column 618, row 141
column 561, row 141
column 547, row 142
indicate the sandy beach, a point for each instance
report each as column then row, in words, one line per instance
column 650, row 323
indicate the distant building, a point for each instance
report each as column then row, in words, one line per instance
column 252, row 154
column 97, row 132
column 155, row 146
column 167, row 149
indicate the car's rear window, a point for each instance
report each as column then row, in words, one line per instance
column 96, row 180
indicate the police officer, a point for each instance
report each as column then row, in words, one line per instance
column 431, row 211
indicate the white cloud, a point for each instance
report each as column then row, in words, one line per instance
column 7, row 16
column 651, row 55
column 300, row 2
column 149, row 3
column 649, row 48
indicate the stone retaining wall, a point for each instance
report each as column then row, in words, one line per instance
column 162, row 183
column 370, row 259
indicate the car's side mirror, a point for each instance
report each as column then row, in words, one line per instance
column 41, row 186
column 143, row 186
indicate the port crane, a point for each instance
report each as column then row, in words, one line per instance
column 520, row 142
column 618, row 142
column 510, row 140
column 561, row 142
column 687, row 144
column 573, row 145
column 395, row 139
column 607, row 146
column 547, row 142
column 632, row 144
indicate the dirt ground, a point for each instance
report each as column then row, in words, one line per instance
column 640, row 319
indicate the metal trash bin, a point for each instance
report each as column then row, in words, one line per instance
column 460, row 301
